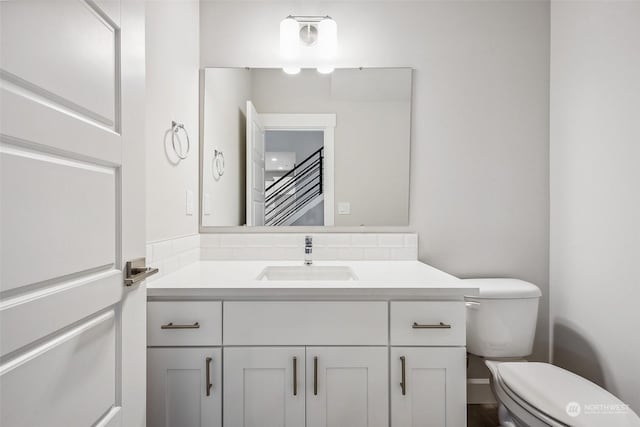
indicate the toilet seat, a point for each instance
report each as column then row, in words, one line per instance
column 537, row 394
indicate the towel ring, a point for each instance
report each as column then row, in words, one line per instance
column 175, row 128
column 218, row 162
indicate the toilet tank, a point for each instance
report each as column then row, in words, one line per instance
column 501, row 319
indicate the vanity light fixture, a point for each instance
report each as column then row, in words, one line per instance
column 291, row 70
column 308, row 38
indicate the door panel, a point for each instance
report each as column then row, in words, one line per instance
column 352, row 387
column 259, row 389
column 177, row 387
column 72, row 175
column 69, row 209
column 80, row 363
column 435, row 387
column 81, row 72
column 255, row 167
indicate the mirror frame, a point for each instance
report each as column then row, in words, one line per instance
column 228, row 229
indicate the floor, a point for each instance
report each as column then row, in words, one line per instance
column 482, row 415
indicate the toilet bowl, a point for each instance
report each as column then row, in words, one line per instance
column 501, row 322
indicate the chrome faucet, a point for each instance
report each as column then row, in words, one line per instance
column 308, row 250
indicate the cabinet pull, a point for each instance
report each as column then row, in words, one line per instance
column 208, row 375
column 440, row 325
column 403, row 380
column 170, row 325
column 295, row 376
column 315, row 376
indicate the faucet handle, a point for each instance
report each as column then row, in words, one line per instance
column 308, row 240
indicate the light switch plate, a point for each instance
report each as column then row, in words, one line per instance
column 344, row 208
column 206, row 208
column 189, row 202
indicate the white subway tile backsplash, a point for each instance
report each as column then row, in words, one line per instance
column 378, row 254
column 216, row 253
column 339, row 240
column 170, row 255
column 288, row 240
column 260, row 240
column 210, row 240
column 403, row 254
column 351, row 253
column 391, row 240
column 366, row 240
column 234, row 240
column 411, row 240
column 173, row 254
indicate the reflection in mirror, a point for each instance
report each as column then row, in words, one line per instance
column 307, row 149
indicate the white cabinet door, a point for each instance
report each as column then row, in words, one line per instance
column 184, row 387
column 432, row 390
column 264, row 387
column 347, row 387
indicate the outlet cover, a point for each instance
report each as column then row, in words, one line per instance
column 344, row 208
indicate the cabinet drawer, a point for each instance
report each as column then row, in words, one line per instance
column 429, row 323
column 305, row 323
column 177, row 323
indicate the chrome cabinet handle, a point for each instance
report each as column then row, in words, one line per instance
column 170, row 325
column 440, row 325
column 295, row 376
column 315, row 376
column 208, row 375
column 403, row 379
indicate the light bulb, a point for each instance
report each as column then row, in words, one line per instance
column 289, row 28
column 291, row 70
column 325, row 69
column 327, row 38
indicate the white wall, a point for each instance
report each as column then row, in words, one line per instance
column 224, row 128
column 595, row 192
column 479, row 154
column 172, row 61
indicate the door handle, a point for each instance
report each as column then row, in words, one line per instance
column 315, row 376
column 170, row 325
column 403, row 377
column 440, row 325
column 135, row 271
column 208, row 375
column 295, row 376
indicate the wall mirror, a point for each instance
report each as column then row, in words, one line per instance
column 310, row 149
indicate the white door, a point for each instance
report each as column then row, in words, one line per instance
column 255, row 167
column 71, row 211
column 264, row 387
column 432, row 391
column 184, row 387
column 347, row 387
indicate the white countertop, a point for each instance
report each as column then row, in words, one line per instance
column 377, row 280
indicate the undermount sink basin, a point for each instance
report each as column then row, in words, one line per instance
column 307, row 272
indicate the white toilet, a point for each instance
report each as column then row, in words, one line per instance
column 501, row 323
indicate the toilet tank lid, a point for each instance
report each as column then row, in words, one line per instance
column 502, row 288
column 556, row 392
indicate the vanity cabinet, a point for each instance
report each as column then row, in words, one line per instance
column 306, row 363
column 184, row 387
column 428, row 386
